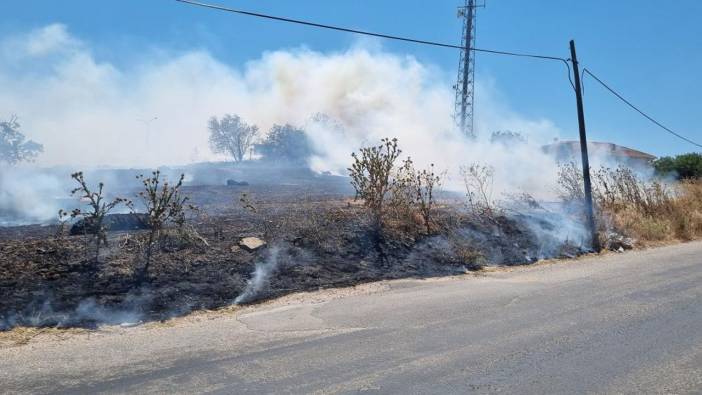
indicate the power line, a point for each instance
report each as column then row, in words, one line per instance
column 615, row 93
column 366, row 33
column 380, row 35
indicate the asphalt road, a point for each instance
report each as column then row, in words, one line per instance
column 629, row 323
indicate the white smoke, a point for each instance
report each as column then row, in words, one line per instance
column 89, row 112
column 260, row 277
column 27, row 195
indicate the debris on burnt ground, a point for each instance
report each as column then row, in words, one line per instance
column 614, row 241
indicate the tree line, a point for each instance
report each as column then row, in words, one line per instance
column 234, row 137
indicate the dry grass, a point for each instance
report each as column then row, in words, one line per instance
column 649, row 210
column 21, row 336
column 659, row 213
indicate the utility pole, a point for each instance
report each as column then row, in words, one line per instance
column 589, row 211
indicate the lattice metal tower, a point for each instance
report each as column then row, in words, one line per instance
column 465, row 87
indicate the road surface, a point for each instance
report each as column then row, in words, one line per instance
column 629, row 323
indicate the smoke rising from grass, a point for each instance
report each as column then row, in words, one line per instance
column 27, row 195
column 42, row 313
column 260, row 277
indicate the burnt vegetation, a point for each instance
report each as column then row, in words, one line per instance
column 92, row 215
column 164, row 207
column 179, row 247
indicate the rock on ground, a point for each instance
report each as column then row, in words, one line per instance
column 252, row 243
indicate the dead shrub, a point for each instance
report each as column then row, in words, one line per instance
column 402, row 195
column 478, row 181
column 93, row 217
column 165, row 207
column 570, row 183
column 371, row 173
column 426, row 182
column 412, row 196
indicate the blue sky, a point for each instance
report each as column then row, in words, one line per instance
column 649, row 50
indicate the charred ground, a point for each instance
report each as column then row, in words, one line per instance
column 316, row 235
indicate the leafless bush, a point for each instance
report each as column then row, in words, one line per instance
column 164, row 206
column 570, row 183
column 371, row 173
column 412, row 193
column 427, row 182
column 401, row 191
column 478, row 181
column 93, row 217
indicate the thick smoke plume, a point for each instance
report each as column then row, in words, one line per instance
column 90, row 112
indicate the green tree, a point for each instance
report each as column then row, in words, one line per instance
column 285, row 144
column 686, row 166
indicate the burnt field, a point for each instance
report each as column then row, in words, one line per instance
column 316, row 236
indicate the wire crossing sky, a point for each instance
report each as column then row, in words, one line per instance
column 436, row 44
column 365, row 33
column 619, row 43
column 627, row 102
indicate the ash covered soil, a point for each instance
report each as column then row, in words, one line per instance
column 317, row 237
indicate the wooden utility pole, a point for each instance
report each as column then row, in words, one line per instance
column 589, row 211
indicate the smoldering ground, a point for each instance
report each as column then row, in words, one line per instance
column 153, row 112
column 316, row 241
